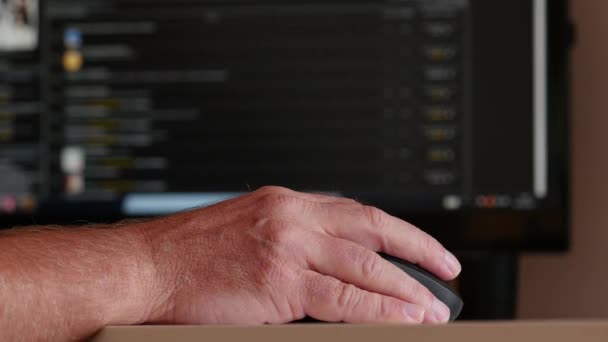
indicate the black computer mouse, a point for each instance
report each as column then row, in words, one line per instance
column 439, row 288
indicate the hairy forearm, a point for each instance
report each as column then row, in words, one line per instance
column 65, row 284
column 272, row 256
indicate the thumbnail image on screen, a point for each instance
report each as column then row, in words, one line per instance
column 18, row 25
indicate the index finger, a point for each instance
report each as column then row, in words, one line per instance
column 381, row 232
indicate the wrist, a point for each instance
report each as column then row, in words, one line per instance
column 137, row 283
column 154, row 281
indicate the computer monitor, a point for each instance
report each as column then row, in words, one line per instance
column 451, row 114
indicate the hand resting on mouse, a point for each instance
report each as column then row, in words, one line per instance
column 272, row 256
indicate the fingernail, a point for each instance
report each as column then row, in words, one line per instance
column 453, row 263
column 441, row 312
column 413, row 311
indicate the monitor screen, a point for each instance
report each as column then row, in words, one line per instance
column 448, row 113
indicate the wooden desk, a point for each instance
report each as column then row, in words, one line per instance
column 554, row 331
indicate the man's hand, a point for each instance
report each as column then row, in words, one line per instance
column 276, row 255
column 272, row 256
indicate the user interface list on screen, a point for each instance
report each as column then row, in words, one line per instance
column 435, row 105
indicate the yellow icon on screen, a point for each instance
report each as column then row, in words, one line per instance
column 72, row 61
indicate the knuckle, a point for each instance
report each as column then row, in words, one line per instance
column 387, row 309
column 375, row 216
column 279, row 232
column 277, row 204
column 267, row 190
column 347, row 296
column 270, row 265
column 371, row 265
column 320, row 291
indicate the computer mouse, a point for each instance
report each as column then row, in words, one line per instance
column 439, row 288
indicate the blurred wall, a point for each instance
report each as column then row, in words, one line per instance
column 576, row 285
